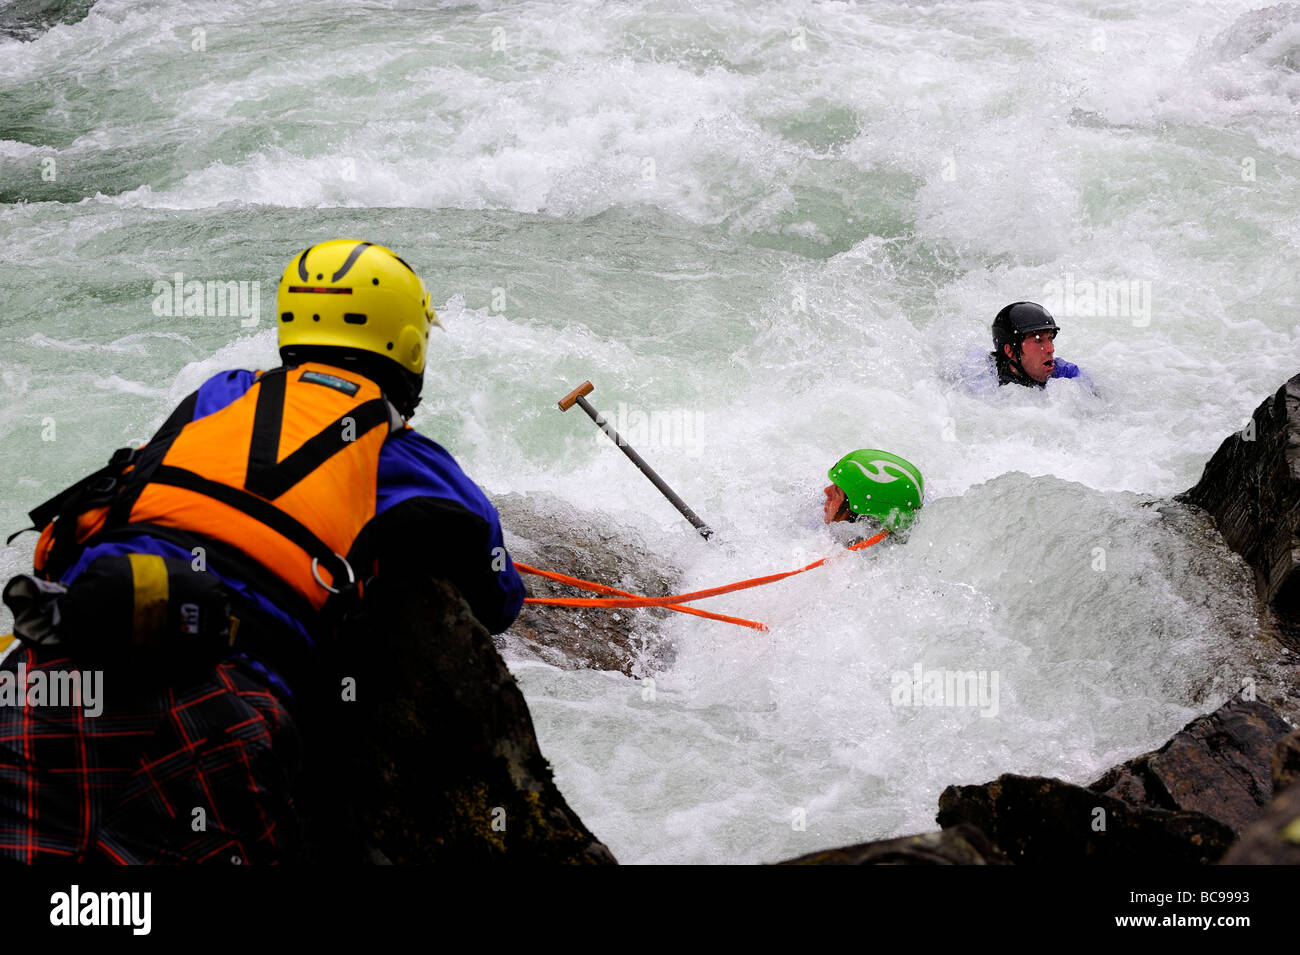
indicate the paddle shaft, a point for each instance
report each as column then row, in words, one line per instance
column 646, row 469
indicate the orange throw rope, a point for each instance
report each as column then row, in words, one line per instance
column 631, row 600
column 602, row 589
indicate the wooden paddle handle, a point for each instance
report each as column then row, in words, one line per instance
column 581, row 391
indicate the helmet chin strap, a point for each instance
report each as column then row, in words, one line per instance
column 1013, row 362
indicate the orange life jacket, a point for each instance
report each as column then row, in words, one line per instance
column 286, row 474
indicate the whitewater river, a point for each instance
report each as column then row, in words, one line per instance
column 780, row 232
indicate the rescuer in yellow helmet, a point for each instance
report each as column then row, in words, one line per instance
column 357, row 305
column 206, row 573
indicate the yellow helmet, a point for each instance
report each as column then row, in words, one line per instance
column 351, row 294
column 345, row 301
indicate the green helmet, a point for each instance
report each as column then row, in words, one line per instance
column 880, row 485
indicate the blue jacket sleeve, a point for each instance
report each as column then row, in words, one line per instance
column 438, row 519
column 1065, row 369
column 220, row 390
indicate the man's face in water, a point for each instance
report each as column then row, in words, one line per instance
column 1037, row 354
column 836, row 507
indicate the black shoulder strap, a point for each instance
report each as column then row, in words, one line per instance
column 268, row 477
column 100, row 483
column 148, row 460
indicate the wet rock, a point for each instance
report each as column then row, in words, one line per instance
column 1286, row 761
column 437, row 759
column 549, row 534
column 1274, row 839
column 1251, row 487
column 27, row 21
column 1184, row 803
column 960, row 845
column 1036, row 820
column 1219, row 765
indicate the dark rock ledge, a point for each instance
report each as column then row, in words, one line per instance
column 439, row 762
column 1251, row 487
column 1208, row 795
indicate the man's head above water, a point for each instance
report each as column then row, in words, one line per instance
column 1023, row 341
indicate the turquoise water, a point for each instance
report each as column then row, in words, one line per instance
column 784, row 231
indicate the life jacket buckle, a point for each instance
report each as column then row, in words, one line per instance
column 103, row 485
column 112, row 476
column 315, row 572
column 122, row 457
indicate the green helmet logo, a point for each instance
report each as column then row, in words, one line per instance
column 880, row 485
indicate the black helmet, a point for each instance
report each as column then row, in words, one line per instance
column 1019, row 319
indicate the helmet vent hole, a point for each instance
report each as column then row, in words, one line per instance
column 390, row 346
column 286, row 316
column 315, row 318
column 319, row 276
column 354, row 318
column 374, row 281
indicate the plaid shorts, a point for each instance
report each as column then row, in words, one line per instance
column 200, row 772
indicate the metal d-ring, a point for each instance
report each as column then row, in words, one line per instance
column 315, row 572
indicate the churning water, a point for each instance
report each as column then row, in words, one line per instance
column 778, row 231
